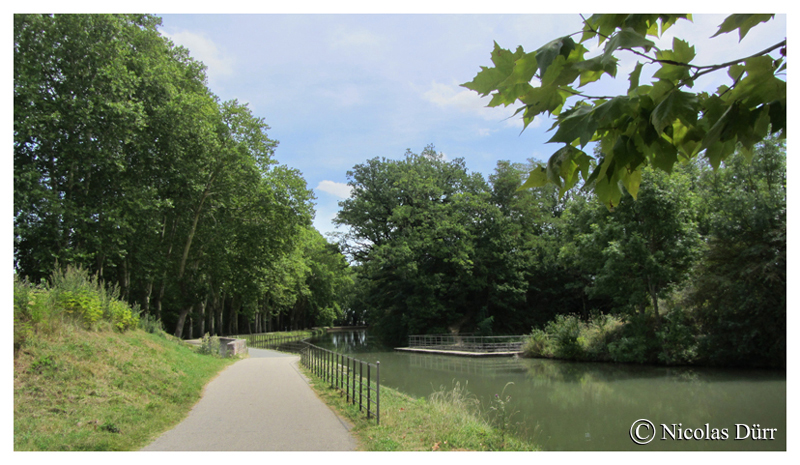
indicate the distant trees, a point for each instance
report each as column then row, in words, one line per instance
column 413, row 226
column 125, row 163
column 695, row 267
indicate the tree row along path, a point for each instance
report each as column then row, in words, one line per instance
column 261, row 403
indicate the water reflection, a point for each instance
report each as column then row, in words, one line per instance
column 591, row 406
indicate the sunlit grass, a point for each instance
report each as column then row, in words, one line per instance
column 102, row 390
column 450, row 419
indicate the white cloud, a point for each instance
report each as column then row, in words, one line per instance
column 461, row 99
column 335, row 188
column 467, row 101
column 344, row 96
column 205, row 50
column 350, row 39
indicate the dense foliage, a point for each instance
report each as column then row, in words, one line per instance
column 126, row 164
column 692, row 271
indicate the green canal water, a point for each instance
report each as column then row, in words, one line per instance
column 569, row 406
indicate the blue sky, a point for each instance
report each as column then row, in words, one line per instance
column 338, row 89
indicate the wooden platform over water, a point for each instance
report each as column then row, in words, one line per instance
column 459, row 353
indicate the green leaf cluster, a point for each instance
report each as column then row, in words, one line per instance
column 656, row 124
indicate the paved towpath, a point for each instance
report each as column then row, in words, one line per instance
column 261, row 403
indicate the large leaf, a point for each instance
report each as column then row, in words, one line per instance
column 627, row 39
column 577, row 124
column 760, row 84
column 486, row 81
column 523, row 71
column 674, row 63
column 541, row 99
column 676, row 105
column 536, row 178
column 742, row 22
column 633, row 78
column 545, row 55
column 593, row 69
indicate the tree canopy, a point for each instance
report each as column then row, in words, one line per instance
column 656, row 124
column 127, row 165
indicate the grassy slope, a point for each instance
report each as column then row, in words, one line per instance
column 102, row 390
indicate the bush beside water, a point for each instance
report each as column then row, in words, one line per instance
column 639, row 338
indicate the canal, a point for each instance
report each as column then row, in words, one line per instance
column 570, row 406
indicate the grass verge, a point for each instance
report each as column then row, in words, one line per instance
column 77, row 389
column 448, row 420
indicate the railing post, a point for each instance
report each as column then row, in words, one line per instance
column 353, row 381
column 347, row 382
column 360, row 382
column 330, row 368
column 369, row 387
column 378, row 392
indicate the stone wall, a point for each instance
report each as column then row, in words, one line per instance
column 229, row 346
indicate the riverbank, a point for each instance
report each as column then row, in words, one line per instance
column 451, row 419
column 674, row 339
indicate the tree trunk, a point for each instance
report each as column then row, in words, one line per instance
column 221, row 311
column 146, row 302
column 125, row 281
column 654, row 297
column 203, row 316
column 182, row 321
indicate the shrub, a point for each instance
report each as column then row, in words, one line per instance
column 637, row 342
column 71, row 295
column 151, row 324
column 597, row 333
column 565, row 331
column 678, row 339
column 83, row 305
column 537, row 345
column 121, row 315
column 209, row 345
column 26, row 303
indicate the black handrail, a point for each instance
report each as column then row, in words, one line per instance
column 346, row 374
column 340, row 371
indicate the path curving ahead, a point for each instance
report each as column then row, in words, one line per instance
column 261, row 403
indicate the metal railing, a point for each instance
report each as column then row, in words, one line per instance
column 467, row 343
column 347, row 374
column 359, row 380
column 271, row 340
